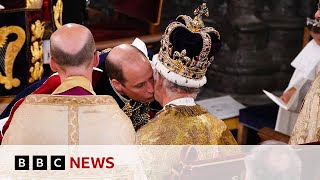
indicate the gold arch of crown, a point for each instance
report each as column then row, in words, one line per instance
column 180, row 63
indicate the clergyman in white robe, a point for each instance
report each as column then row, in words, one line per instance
column 307, row 66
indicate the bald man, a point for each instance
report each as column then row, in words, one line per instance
column 131, row 83
column 70, row 119
column 130, row 73
column 73, row 56
column 122, row 89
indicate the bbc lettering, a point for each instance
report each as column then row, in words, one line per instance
column 58, row 162
column 39, row 163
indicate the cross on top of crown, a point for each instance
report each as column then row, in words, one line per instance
column 201, row 10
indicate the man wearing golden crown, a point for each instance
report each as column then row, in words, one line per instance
column 307, row 127
column 187, row 49
column 307, row 66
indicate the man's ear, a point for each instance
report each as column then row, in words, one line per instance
column 53, row 65
column 118, row 86
column 96, row 59
column 159, row 79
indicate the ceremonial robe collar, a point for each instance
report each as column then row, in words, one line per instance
column 75, row 81
column 187, row 101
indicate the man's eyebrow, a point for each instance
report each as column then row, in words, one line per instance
column 138, row 84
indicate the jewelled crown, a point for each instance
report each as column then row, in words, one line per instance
column 187, row 49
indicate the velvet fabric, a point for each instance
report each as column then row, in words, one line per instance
column 182, row 38
column 260, row 116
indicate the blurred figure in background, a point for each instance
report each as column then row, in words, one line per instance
column 307, row 66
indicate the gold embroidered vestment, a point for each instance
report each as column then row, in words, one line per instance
column 178, row 125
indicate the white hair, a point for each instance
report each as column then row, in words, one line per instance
column 173, row 89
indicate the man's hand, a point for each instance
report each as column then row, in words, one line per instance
column 287, row 95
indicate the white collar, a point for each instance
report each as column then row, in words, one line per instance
column 123, row 99
column 187, row 101
column 307, row 60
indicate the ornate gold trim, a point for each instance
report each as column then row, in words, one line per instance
column 11, row 53
column 74, row 100
column 73, row 126
column 138, row 112
column 191, row 111
column 106, row 50
column 73, row 103
column 57, row 15
column 36, row 70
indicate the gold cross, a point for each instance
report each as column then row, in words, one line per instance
column 201, row 10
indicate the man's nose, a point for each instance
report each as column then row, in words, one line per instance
column 317, row 15
column 150, row 88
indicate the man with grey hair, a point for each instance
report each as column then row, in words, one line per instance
column 187, row 49
column 73, row 56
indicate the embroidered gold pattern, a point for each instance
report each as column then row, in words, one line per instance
column 307, row 127
column 74, row 102
column 106, row 50
column 178, row 125
column 62, row 100
column 73, row 126
column 12, row 51
column 137, row 112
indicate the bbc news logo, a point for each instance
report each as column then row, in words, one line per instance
column 40, row 162
column 59, row 162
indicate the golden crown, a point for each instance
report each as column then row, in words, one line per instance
column 179, row 62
